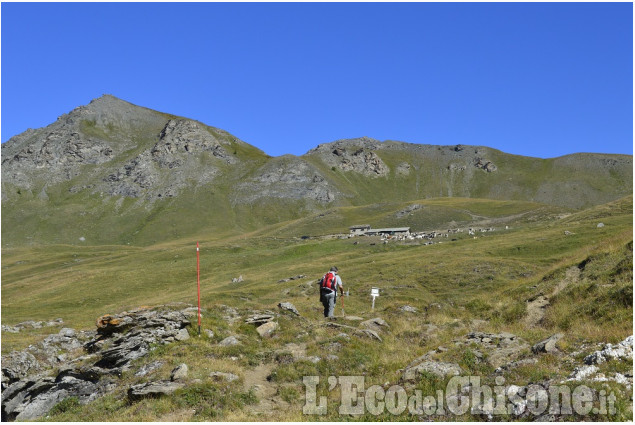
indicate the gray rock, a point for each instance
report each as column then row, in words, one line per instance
column 121, row 339
column 376, row 324
column 67, row 332
column 223, row 376
column 149, row 368
column 209, row 333
column 600, row 225
column 288, row 307
column 259, row 319
column 267, row 329
column 440, row 369
column 179, row 372
column 368, row 333
column 548, row 345
column 287, row 177
column 623, row 350
column 229, row 341
column 18, row 364
column 153, row 389
column 312, row 359
column 408, row 309
column 182, row 335
column 500, row 349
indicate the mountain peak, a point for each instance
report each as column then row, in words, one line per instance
column 108, row 101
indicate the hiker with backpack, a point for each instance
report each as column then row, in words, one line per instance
column 328, row 291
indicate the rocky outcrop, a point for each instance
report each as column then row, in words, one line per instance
column 440, row 369
column 501, row 348
column 153, row 389
column 289, row 178
column 112, row 157
column 623, row 350
column 548, row 345
column 287, row 306
column 29, row 393
column 357, row 155
column 52, row 351
column 182, row 145
column 486, row 165
column 377, row 324
column 408, row 210
column 31, row 324
column 93, row 134
column 186, row 137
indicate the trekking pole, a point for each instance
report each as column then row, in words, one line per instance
column 343, row 312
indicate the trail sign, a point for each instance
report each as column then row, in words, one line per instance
column 374, row 292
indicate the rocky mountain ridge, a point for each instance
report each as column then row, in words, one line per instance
column 112, row 157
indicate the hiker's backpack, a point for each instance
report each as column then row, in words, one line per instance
column 328, row 281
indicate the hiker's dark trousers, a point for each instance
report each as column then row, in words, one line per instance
column 328, row 300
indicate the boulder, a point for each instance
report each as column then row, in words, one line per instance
column 548, row 345
column 179, row 372
column 223, row 376
column 259, row 319
column 288, row 307
column 18, row 364
column 267, row 329
column 368, row 333
column 153, row 389
column 229, row 341
column 376, row 324
column 67, row 332
column 182, row 335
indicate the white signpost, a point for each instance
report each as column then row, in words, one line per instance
column 374, row 292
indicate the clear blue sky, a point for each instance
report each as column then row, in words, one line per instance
column 538, row 79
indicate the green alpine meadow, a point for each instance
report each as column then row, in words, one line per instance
column 514, row 270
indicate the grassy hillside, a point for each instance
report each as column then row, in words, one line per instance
column 480, row 283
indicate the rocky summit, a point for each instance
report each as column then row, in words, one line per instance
column 110, row 168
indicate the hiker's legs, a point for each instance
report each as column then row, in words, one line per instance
column 331, row 304
column 325, row 303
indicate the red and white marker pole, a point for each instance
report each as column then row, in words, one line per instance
column 198, row 286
